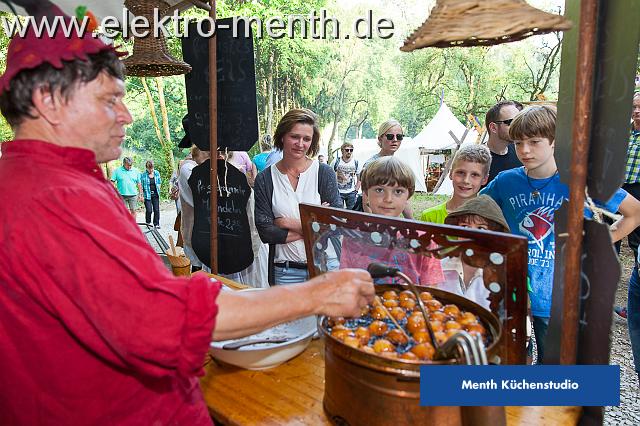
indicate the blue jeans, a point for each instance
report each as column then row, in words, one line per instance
column 633, row 316
column 289, row 275
column 540, row 325
column 349, row 199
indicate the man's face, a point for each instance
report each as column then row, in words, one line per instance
column 635, row 114
column 347, row 151
column 127, row 166
column 507, row 112
column 95, row 117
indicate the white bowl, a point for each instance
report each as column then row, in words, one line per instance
column 261, row 356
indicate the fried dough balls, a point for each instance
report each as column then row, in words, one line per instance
column 374, row 332
column 378, row 328
column 397, row 337
column 424, row 351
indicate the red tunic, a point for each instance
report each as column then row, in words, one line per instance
column 94, row 328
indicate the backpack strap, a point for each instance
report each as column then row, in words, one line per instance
column 335, row 165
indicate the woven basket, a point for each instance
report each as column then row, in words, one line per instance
column 482, row 23
column 150, row 56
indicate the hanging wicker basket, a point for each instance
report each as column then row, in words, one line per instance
column 150, row 57
column 482, row 23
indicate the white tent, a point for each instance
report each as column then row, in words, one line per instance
column 435, row 135
column 409, row 153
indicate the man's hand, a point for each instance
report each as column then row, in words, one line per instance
column 342, row 293
column 339, row 293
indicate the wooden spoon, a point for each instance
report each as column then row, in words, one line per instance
column 173, row 246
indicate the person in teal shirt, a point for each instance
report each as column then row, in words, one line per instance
column 127, row 181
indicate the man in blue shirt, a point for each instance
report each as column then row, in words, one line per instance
column 127, row 181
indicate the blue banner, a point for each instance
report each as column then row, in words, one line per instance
column 521, row 385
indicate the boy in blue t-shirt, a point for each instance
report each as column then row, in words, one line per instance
column 529, row 197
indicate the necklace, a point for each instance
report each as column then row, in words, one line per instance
column 536, row 191
column 295, row 173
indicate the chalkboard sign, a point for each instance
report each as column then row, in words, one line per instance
column 235, row 251
column 237, row 105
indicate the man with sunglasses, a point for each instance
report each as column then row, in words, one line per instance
column 503, row 153
column 347, row 171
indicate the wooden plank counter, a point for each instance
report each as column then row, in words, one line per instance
column 292, row 393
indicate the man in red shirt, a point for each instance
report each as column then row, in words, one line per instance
column 94, row 328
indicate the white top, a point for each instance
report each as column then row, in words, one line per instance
column 186, row 204
column 453, row 277
column 347, row 175
column 285, row 203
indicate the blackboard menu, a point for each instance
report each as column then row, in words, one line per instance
column 237, row 105
column 235, row 251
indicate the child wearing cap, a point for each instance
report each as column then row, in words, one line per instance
column 469, row 171
column 388, row 184
column 477, row 213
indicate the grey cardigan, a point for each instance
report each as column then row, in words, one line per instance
column 268, row 231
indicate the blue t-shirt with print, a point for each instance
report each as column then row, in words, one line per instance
column 532, row 217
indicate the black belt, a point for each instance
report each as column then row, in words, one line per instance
column 288, row 264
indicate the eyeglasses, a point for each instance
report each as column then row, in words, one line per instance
column 507, row 122
column 348, row 149
column 398, row 136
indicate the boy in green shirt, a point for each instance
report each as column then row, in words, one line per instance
column 469, row 171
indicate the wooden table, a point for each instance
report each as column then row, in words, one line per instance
column 292, row 393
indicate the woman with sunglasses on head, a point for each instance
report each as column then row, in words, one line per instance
column 280, row 188
column 390, row 136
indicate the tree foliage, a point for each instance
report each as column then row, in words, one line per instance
column 352, row 84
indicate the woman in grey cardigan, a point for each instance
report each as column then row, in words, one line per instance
column 279, row 190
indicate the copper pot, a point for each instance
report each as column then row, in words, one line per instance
column 365, row 389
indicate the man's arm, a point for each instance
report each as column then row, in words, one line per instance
column 630, row 211
column 338, row 293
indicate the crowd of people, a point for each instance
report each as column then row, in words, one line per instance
column 515, row 171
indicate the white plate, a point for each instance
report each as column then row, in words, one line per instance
column 268, row 355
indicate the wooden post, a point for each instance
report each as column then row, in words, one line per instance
column 579, row 162
column 213, row 141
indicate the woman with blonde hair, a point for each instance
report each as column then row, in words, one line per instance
column 280, row 188
column 390, row 137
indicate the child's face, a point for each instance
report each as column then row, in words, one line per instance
column 535, row 152
column 474, row 222
column 467, row 178
column 387, row 200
